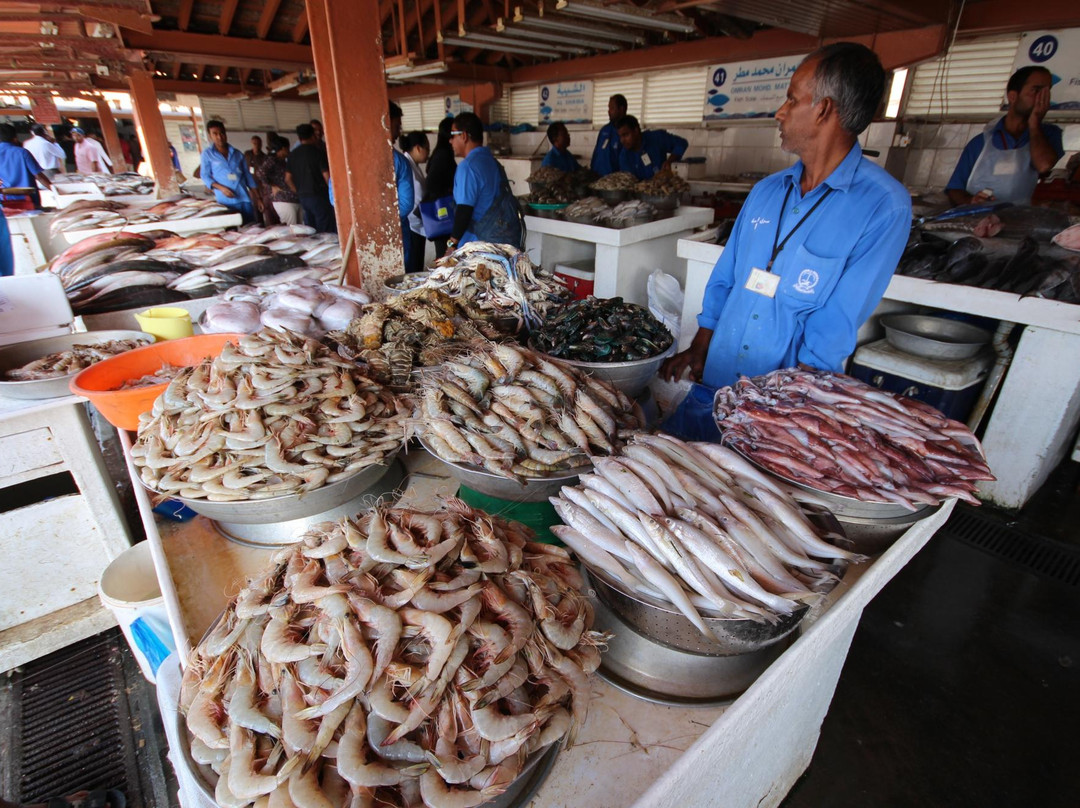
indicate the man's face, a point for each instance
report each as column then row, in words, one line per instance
column 218, row 138
column 395, row 128
column 1023, row 102
column 562, row 139
column 630, row 138
column 256, row 144
column 78, row 137
column 614, row 111
column 319, row 130
column 797, row 117
column 458, row 141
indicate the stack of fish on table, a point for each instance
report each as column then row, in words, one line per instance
column 296, row 300
column 126, row 182
column 399, row 658
column 90, row 214
column 115, row 271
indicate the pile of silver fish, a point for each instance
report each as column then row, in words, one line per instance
column 75, row 358
column 630, row 212
column 277, row 414
column 498, row 280
column 697, row 526
column 400, row 658
column 519, row 414
column 90, row 214
column 295, row 300
column 591, row 207
column 833, row 433
column 126, row 182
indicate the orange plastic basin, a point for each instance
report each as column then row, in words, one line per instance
column 122, row 408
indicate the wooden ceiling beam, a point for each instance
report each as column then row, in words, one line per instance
column 266, row 19
column 231, row 50
column 301, row 28
column 183, row 18
column 228, row 12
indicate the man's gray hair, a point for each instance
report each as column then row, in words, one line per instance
column 852, row 76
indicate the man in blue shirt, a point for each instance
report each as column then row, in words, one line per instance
column 403, row 179
column 605, row 156
column 559, row 156
column 1004, row 162
column 225, row 172
column 18, row 168
column 813, row 248
column 645, row 154
column 486, row 209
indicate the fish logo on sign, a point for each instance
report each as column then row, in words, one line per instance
column 808, row 279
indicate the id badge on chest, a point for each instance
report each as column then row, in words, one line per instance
column 762, row 282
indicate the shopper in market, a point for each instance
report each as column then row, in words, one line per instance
column 273, row 173
column 19, row 169
column 224, row 171
column 812, row 249
column 310, row 174
column 1004, row 162
column 48, row 153
column 559, row 155
column 441, row 168
column 605, row 156
column 90, row 156
column 645, row 154
column 403, row 180
column 415, row 148
column 486, row 208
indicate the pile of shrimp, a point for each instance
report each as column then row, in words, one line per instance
column 399, row 658
column 273, row 415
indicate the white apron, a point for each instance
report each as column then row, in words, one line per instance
column 1006, row 172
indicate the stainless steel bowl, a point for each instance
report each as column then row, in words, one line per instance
column 391, row 284
column 669, row 202
column 22, row 353
column 615, row 195
column 629, row 377
column 535, row 489
column 873, row 536
column 291, row 506
column 934, row 337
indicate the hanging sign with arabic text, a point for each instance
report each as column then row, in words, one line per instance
column 748, row 89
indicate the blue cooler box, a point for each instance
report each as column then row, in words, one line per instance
column 951, row 386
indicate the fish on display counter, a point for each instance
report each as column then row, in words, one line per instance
column 91, row 214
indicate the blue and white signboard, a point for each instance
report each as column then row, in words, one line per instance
column 455, row 106
column 1058, row 52
column 569, row 102
column 748, row 89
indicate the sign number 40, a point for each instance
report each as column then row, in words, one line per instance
column 1043, row 48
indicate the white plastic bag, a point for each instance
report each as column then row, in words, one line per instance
column 666, row 301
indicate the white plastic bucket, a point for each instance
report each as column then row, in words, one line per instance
column 129, row 588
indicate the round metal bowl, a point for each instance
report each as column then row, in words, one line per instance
column 873, row 536
column 22, row 353
column 548, row 211
column 535, row 489
column 934, row 337
column 629, row 377
column 614, row 195
column 393, row 287
column 668, row 202
column 291, row 506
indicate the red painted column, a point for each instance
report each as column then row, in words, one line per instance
column 151, row 126
column 112, row 138
column 358, row 92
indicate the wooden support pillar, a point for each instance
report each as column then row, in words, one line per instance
column 348, row 52
column 155, row 142
column 112, row 137
column 481, row 97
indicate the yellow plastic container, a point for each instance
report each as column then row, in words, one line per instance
column 166, row 323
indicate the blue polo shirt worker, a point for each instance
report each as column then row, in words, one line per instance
column 812, row 250
column 559, row 155
column 1003, row 163
column 18, row 169
column 486, row 209
column 605, row 156
column 225, row 172
column 403, row 180
column 645, row 154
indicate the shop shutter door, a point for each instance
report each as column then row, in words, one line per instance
column 525, row 105
column 228, row 112
column 969, row 81
column 411, row 117
column 314, row 112
column 432, row 110
column 259, row 116
column 499, row 111
column 633, row 87
column 290, row 114
column 674, row 96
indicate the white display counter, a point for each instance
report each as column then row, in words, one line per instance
column 624, row 256
column 630, row 752
column 518, row 168
column 1034, row 422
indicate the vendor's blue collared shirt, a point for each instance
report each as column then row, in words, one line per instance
column 833, row 270
column 231, row 171
column 656, row 145
column 1002, row 140
column 17, row 168
column 403, row 179
column 564, row 161
column 476, row 183
column 605, row 156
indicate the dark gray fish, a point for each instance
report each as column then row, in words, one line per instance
column 260, row 267
column 130, row 298
column 130, row 265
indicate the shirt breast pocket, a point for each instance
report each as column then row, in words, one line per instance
column 808, row 279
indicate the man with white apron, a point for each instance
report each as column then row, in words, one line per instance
column 1004, row 162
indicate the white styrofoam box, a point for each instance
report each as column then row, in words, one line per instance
column 956, row 374
column 32, row 307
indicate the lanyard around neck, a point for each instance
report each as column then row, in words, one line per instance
column 778, row 245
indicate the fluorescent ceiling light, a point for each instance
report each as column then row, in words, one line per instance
column 473, row 43
column 547, row 36
column 310, row 88
column 419, row 71
column 547, row 23
column 498, row 39
column 626, row 15
column 284, row 83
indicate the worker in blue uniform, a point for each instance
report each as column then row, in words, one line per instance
column 485, row 207
column 403, row 180
column 559, row 155
column 645, row 154
column 605, row 156
column 1003, row 163
column 225, row 172
column 19, row 169
column 812, row 250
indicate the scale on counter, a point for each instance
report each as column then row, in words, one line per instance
column 33, row 307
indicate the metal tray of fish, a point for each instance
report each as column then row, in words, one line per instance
column 934, row 337
column 631, row 378
column 535, row 489
column 22, row 353
column 874, row 536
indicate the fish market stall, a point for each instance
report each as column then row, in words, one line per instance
column 1037, row 412
column 623, row 257
column 185, row 227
